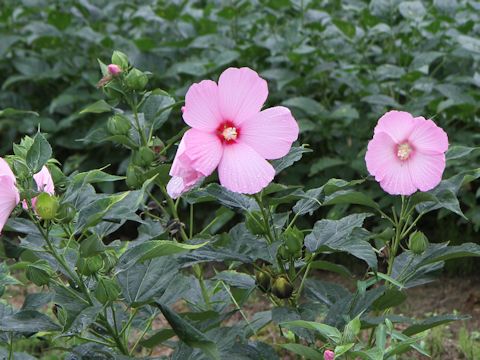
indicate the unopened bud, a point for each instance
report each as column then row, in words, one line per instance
column 328, row 355
column 119, row 59
column 293, row 239
column 282, row 288
column 263, row 280
column 90, row 265
column 144, row 156
column 134, row 177
column 46, row 206
column 417, row 242
column 114, row 70
column 136, row 80
column 118, row 125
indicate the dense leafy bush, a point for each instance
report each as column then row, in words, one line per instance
column 110, row 260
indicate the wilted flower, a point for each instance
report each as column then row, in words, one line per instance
column 406, row 154
column 114, row 70
column 229, row 131
column 9, row 195
column 329, row 355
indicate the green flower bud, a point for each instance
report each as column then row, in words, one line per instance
column 136, row 80
column 282, row 288
column 66, row 213
column 46, row 206
column 254, row 223
column 143, row 157
column 118, row 125
column 263, row 280
column 39, row 273
column 417, row 242
column 134, row 177
column 293, row 239
column 120, row 59
column 90, row 265
column 107, row 290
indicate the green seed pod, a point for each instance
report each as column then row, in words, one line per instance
column 107, row 290
column 118, row 125
column 90, row 265
column 254, row 223
column 46, row 206
column 120, row 59
column 134, row 177
column 293, row 239
column 66, row 213
column 136, row 80
column 417, row 242
column 282, row 288
column 263, row 280
column 143, row 157
column 39, row 273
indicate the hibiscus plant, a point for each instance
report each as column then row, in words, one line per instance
column 199, row 230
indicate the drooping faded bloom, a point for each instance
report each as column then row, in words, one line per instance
column 9, row 195
column 406, row 154
column 329, row 355
column 231, row 132
column 44, row 182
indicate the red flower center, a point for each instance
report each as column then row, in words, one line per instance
column 228, row 132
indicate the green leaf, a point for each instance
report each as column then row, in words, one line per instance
column 236, row 279
column 294, row 155
column 350, row 197
column 101, row 106
column 189, row 334
column 459, row 151
column 229, row 198
column 303, row 350
column 10, row 112
column 345, row 235
column 157, row 107
column 346, row 27
column 381, row 100
column 39, row 153
column 307, row 105
column 412, row 10
column 158, row 338
column 329, row 266
column 153, row 249
column 95, row 176
column 143, row 282
column 28, row 321
column 326, row 331
column 432, row 322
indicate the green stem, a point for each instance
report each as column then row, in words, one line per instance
column 190, row 226
column 10, row 346
column 302, row 283
column 174, row 212
column 149, row 324
column 258, row 199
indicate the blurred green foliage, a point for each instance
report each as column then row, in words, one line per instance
column 339, row 65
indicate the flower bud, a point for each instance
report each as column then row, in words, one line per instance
column 293, row 239
column 66, row 213
column 118, row 125
column 254, row 223
column 114, row 70
column 119, row 59
column 263, row 280
column 107, row 290
column 328, row 355
column 136, row 80
column 134, row 177
column 46, row 206
column 90, row 265
column 144, row 156
column 282, row 288
column 417, row 242
column 39, row 273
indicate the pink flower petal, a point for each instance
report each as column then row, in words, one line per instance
column 243, row 170
column 204, row 150
column 426, row 170
column 380, row 155
column 398, row 181
column 397, row 124
column 44, row 181
column 6, row 171
column 242, row 94
column 201, row 110
column 428, row 137
column 9, row 198
column 271, row 132
column 328, row 355
column 177, row 186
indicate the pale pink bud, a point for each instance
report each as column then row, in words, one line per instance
column 183, row 109
column 329, row 355
column 114, row 69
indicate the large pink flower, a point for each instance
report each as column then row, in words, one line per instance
column 9, row 195
column 406, row 154
column 231, row 133
column 44, row 182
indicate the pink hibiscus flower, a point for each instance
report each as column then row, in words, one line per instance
column 9, row 195
column 329, row 355
column 406, row 154
column 44, row 182
column 231, row 133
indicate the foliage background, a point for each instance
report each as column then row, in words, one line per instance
column 338, row 65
